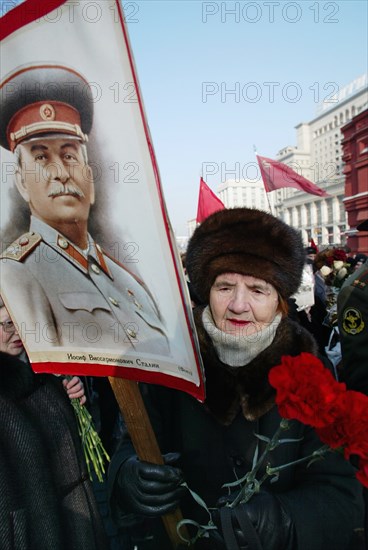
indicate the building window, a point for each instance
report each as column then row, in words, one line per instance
column 319, row 214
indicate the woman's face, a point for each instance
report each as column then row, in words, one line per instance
column 242, row 304
column 9, row 338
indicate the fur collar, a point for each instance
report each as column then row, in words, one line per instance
column 229, row 390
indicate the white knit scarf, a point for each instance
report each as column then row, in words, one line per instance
column 237, row 351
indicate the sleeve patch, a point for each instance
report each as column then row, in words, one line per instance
column 352, row 321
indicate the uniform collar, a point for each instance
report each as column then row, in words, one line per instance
column 68, row 250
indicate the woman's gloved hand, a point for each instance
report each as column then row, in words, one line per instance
column 270, row 521
column 150, row 489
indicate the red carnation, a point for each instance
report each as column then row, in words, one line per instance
column 339, row 255
column 307, row 390
column 336, row 434
column 355, row 424
column 350, row 426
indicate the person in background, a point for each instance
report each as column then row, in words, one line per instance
column 352, row 310
column 46, row 501
column 320, row 284
column 310, row 252
column 360, row 259
column 352, row 307
column 244, row 265
column 11, row 343
column 194, row 299
column 312, row 317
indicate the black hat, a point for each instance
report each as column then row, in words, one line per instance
column 44, row 99
column 363, row 226
column 246, row 241
column 360, row 257
column 310, row 250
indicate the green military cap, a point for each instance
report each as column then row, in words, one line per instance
column 44, row 99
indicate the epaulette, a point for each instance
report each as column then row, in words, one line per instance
column 361, row 281
column 22, row 246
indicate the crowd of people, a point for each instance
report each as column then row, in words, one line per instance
column 331, row 267
column 244, row 268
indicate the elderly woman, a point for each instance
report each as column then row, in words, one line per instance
column 244, row 264
column 46, row 498
column 11, row 343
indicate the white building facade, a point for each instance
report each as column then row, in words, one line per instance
column 244, row 192
column 318, row 157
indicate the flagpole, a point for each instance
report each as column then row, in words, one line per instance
column 268, row 200
column 144, row 441
column 269, row 204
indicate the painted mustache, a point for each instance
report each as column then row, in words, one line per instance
column 58, row 190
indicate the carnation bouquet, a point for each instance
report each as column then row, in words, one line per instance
column 336, row 268
column 308, row 392
column 94, row 452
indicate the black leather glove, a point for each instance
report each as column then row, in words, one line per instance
column 273, row 526
column 149, row 489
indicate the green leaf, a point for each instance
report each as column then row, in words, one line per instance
column 197, row 498
column 263, row 438
column 290, row 440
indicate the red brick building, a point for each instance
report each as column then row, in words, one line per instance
column 355, row 157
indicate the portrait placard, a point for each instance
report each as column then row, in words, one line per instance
column 90, row 272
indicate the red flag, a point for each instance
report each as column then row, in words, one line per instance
column 312, row 244
column 208, row 202
column 276, row 175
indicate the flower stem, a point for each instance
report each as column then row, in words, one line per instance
column 251, row 485
column 94, row 452
column 319, row 453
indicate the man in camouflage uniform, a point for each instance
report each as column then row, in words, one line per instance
column 352, row 307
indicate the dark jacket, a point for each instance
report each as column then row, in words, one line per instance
column 217, row 444
column 46, row 498
column 352, row 310
column 352, row 307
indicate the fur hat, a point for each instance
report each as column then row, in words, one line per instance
column 246, row 241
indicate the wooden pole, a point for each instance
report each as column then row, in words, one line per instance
column 143, row 438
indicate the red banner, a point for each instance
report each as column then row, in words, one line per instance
column 276, row 175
